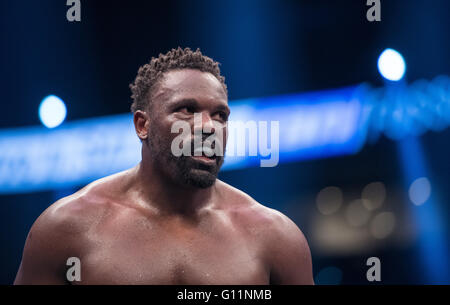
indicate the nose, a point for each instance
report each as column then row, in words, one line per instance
column 204, row 122
column 208, row 124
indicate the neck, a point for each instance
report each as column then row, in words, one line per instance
column 168, row 198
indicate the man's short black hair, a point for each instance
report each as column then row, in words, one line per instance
column 176, row 59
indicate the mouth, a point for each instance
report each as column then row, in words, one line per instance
column 205, row 155
column 204, row 159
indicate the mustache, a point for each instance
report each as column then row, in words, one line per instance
column 206, row 142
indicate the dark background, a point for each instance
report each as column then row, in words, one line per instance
column 265, row 48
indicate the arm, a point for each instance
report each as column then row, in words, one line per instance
column 289, row 254
column 41, row 261
column 49, row 244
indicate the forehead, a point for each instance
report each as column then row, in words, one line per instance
column 189, row 83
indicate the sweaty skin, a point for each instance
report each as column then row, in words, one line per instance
column 144, row 226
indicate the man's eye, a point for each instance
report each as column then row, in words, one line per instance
column 186, row 110
column 222, row 115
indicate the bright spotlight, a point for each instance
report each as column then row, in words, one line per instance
column 52, row 111
column 391, row 65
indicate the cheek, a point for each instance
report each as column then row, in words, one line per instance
column 161, row 124
column 182, row 129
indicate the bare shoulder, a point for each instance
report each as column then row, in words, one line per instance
column 252, row 213
column 65, row 223
column 285, row 248
column 61, row 232
column 78, row 212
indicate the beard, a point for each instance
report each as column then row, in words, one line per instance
column 183, row 170
column 195, row 173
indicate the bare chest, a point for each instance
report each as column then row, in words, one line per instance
column 172, row 254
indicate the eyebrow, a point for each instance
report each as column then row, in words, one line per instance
column 185, row 101
column 194, row 102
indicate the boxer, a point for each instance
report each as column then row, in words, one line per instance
column 168, row 220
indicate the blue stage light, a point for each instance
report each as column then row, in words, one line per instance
column 391, row 65
column 312, row 125
column 52, row 111
column 419, row 191
column 426, row 212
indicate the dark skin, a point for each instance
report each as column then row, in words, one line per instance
column 145, row 226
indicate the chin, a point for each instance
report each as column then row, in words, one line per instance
column 201, row 178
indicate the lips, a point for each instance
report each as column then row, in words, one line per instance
column 204, row 151
column 204, row 154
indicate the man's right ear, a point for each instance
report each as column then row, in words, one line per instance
column 141, row 124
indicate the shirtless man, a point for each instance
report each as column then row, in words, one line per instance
column 168, row 220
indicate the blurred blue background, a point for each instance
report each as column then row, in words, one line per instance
column 364, row 166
